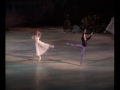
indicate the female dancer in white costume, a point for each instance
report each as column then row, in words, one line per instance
column 41, row 47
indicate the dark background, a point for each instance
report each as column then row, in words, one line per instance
column 53, row 12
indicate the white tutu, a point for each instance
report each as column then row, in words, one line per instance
column 41, row 47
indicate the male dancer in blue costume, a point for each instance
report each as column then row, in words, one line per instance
column 84, row 44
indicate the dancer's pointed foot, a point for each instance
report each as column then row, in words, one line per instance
column 80, row 64
column 39, row 60
column 68, row 43
column 52, row 46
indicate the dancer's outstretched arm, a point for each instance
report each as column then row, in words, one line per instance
column 90, row 36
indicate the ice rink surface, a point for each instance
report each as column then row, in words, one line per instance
column 59, row 68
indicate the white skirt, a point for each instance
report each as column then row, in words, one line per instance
column 41, row 47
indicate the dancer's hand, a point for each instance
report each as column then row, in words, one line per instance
column 91, row 33
column 33, row 37
column 104, row 31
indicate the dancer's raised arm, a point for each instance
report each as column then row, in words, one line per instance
column 90, row 36
column 39, row 33
column 33, row 37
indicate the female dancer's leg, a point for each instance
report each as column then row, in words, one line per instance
column 39, row 58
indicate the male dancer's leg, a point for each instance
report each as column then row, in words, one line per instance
column 82, row 51
column 82, row 54
column 75, row 45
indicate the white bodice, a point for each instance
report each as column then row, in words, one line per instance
column 37, row 39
